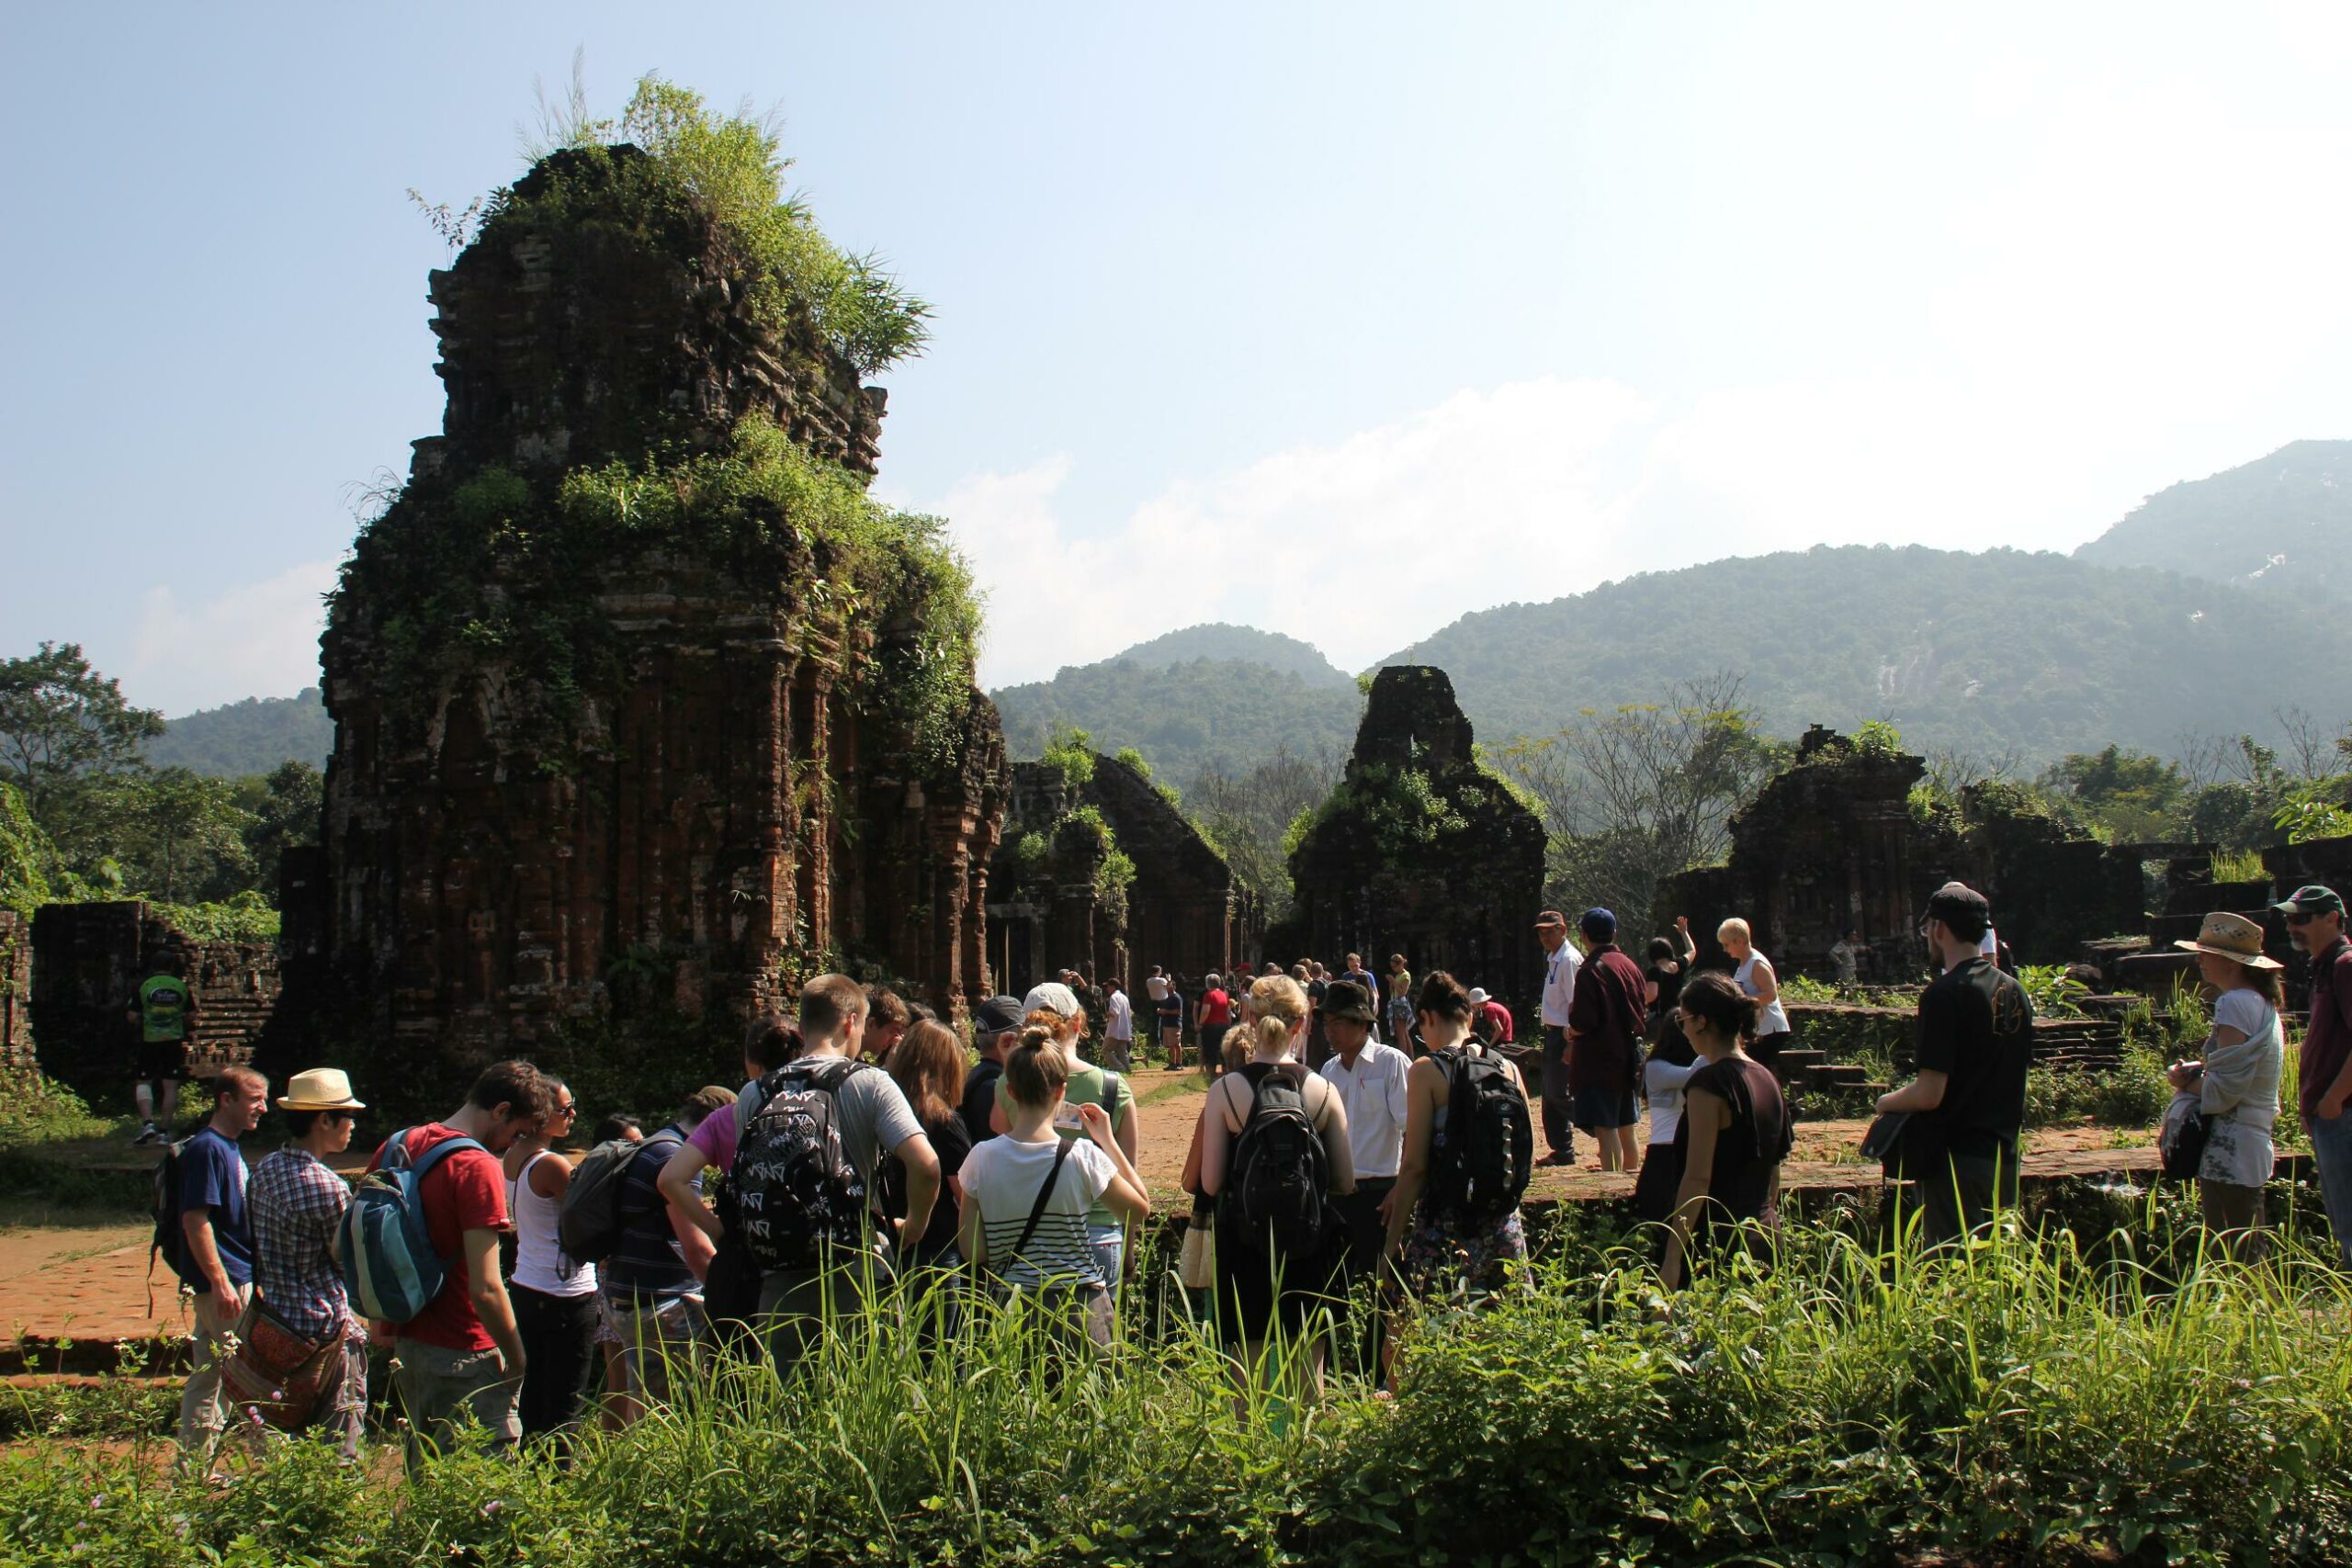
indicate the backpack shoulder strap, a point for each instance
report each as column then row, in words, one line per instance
column 1045, row 1192
column 437, row 1153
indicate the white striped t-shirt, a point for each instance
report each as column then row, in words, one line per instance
column 1002, row 1176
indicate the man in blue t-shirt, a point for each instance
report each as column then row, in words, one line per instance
column 216, row 1244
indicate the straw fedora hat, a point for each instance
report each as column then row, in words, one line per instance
column 2230, row 936
column 320, row 1088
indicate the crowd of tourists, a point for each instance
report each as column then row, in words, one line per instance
column 868, row 1159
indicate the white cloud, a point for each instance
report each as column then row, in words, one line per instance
column 256, row 639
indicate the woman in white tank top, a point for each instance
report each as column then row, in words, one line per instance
column 1755, row 977
column 555, row 1298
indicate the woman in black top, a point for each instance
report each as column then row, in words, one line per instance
column 1734, row 1130
column 928, row 1065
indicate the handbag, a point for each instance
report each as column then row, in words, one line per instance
column 279, row 1375
column 2182, row 1143
column 1885, row 1143
column 1196, row 1258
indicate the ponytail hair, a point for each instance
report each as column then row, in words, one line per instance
column 1036, row 1069
column 1728, row 1009
column 1277, row 1004
column 1442, row 996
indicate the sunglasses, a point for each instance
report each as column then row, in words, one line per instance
column 568, row 1108
column 340, row 1116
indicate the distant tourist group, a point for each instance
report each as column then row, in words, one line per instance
column 868, row 1154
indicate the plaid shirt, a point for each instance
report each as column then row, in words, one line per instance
column 297, row 1203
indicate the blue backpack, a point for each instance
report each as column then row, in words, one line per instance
column 382, row 1244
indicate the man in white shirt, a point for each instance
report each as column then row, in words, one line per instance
column 1560, row 962
column 1118, row 1029
column 1370, row 1078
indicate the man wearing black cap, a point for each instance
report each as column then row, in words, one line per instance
column 1967, row 1105
column 2315, row 920
column 995, row 1023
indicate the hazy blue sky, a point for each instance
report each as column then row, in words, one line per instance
column 1341, row 320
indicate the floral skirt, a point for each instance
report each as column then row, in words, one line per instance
column 1486, row 1256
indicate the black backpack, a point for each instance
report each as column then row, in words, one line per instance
column 1489, row 1150
column 795, row 1191
column 170, row 1242
column 595, row 1211
column 1274, row 1186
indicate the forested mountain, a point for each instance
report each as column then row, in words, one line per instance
column 1241, row 645
column 2037, row 653
column 248, row 737
column 2281, row 521
column 1186, row 717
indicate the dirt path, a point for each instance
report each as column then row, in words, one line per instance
column 83, row 1281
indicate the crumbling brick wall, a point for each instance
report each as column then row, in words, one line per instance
column 86, row 962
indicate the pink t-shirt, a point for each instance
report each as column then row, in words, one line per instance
column 716, row 1138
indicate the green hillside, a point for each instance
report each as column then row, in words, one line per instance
column 1186, row 717
column 2041, row 653
column 2280, row 522
column 1241, row 645
column 247, row 738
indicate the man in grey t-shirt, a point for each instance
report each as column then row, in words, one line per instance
column 873, row 1118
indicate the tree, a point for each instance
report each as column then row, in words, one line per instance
column 1248, row 816
column 60, row 718
column 2134, row 795
column 1631, row 797
column 285, row 808
column 181, row 836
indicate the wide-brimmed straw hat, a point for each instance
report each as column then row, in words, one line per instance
column 2225, row 935
column 320, row 1088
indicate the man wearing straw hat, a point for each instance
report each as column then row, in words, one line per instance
column 297, row 1204
column 2315, row 920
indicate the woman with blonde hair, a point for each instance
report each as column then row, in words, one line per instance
column 928, row 1065
column 1028, row 1193
column 1756, row 976
column 1054, row 1007
column 2236, row 1085
column 1271, row 1134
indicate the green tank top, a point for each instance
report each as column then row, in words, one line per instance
column 162, row 1008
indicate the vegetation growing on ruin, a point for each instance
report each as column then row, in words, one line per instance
column 515, row 582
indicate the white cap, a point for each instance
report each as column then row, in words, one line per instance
column 1052, row 996
column 1478, row 998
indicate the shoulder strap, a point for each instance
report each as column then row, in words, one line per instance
column 1111, row 1095
column 437, row 1153
column 1045, row 1191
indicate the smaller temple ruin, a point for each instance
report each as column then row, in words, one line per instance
column 83, row 965
column 1421, row 850
column 1835, row 841
column 1101, row 873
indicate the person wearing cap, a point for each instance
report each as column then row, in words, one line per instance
column 1370, row 1077
column 1489, row 1019
column 1085, row 1085
column 2315, row 920
column 1168, row 1006
column 1967, row 1105
column 996, row 1023
column 1560, row 965
column 297, row 1205
column 1605, row 1015
column 2236, row 1084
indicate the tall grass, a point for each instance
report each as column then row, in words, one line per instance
column 2028, row 1395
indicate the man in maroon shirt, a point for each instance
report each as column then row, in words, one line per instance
column 1605, row 1015
column 2315, row 920
column 463, row 1353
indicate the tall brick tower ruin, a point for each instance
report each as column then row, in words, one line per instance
column 643, row 709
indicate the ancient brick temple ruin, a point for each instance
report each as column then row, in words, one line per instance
column 1834, row 842
column 583, row 763
column 1060, row 904
column 81, row 964
column 1422, row 851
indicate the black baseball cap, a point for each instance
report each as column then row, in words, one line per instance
column 1345, row 998
column 995, row 1015
column 2311, row 899
column 1957, row 898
